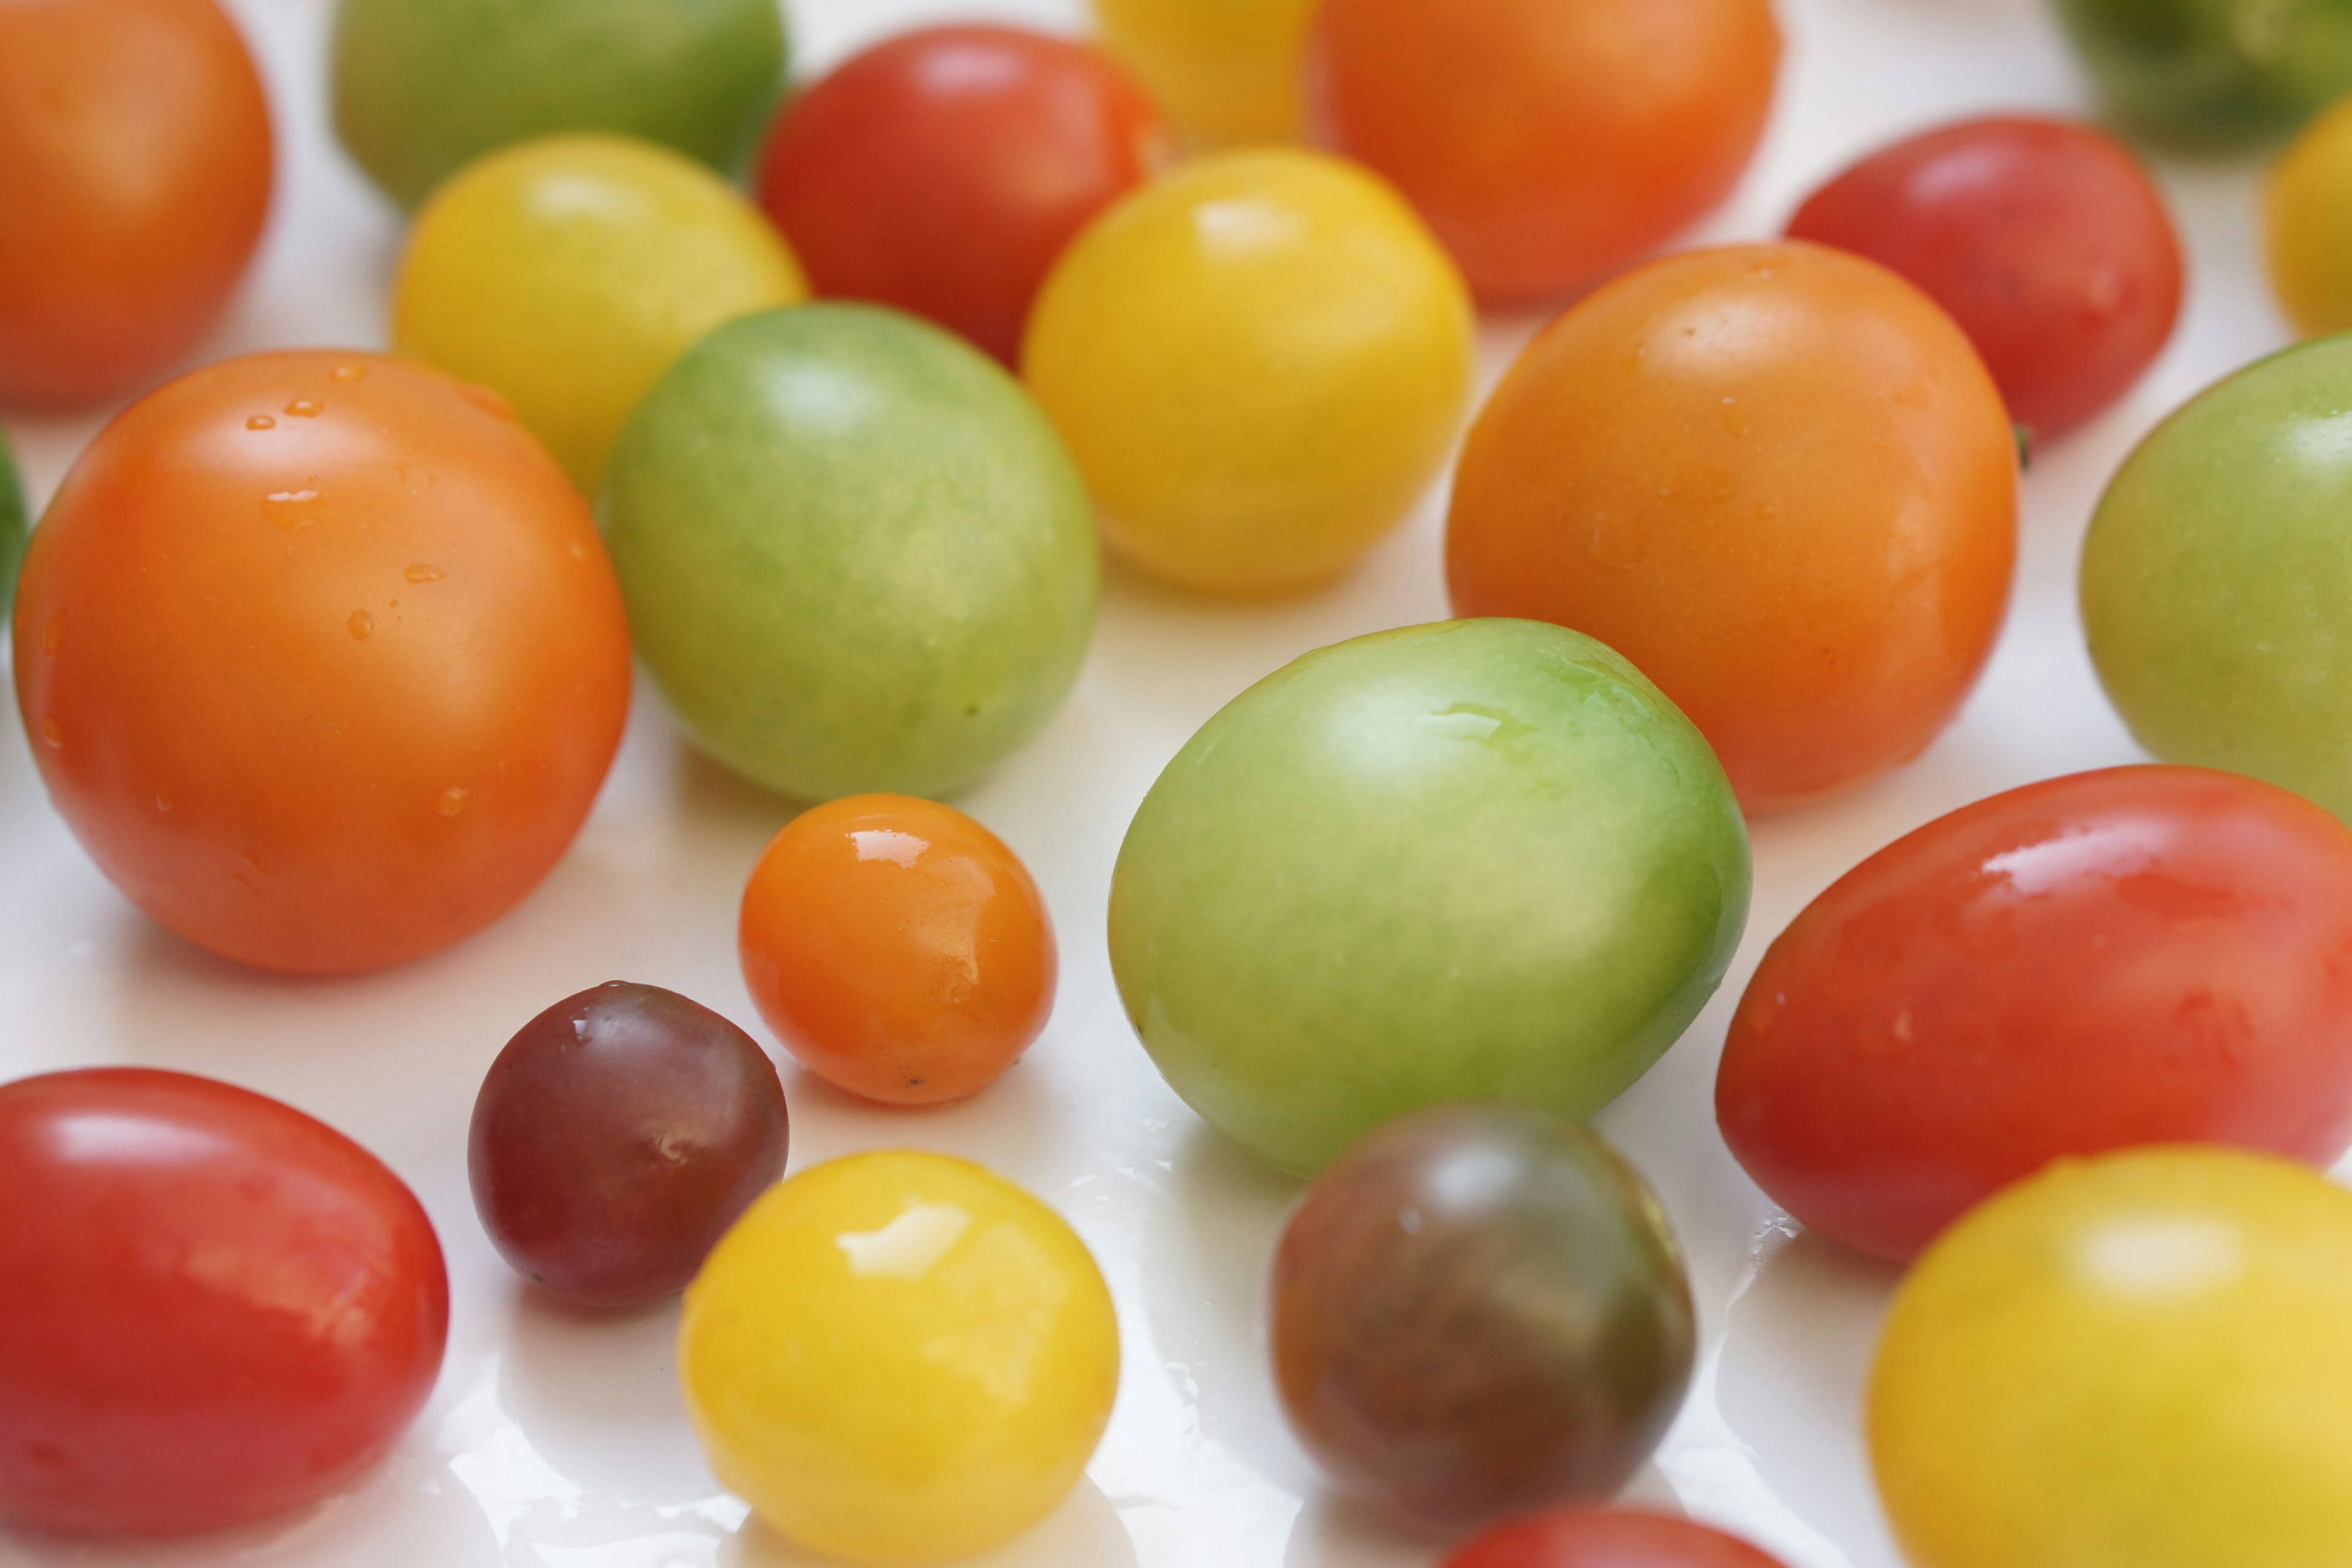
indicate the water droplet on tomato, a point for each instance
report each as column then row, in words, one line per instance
column 349, row 373
column 362, row 624
column 54, row 733
column 304, row 408
column 261, row 422
column 424, row 571
column 452, row 801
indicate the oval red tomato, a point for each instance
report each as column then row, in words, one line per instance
column 2138, row 955
column 217, row 1308
column 1606, row 1538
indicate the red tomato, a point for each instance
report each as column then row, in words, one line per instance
column 217, row 1308
column 2139, row 955
column 1549, row 144
column 944, row 171
column 2046, row 240
column 134, row 177
column 322, row 658
column 1606, row 1538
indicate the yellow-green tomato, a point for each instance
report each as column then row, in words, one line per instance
column 1259, row 363
column 2143, row 1361
column 568, row 273
column 1227, row 71
column 2309, row 207
column 899, row 1358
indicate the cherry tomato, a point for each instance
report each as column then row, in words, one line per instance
column 2141, row 956
column 944, row 171
column 135, row 168
column 1227, row 71
column 1779, row 481
column 2213, row 73
column 1606, row 1538
column 2134, row 1362
column 12, row 525
column 2046, row 240
column 617, row 1137
column 2308, row 204
column 217, row 1309
column 1548, row 145
column 322, row 658
column 897, row 949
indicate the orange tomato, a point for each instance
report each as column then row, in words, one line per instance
column 897, row 949
column 322, row 658
column 134, row 178
column 1549, row 144
column 1776, row 477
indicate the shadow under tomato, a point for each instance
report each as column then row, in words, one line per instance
column 597, row 1395
column 1084, row 1532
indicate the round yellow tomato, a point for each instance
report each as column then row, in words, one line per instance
column 1227, row 71
column 899, row 1358
column 1260, row 362
column 569, row 272
column 2143, row 1361
column 2309, row 207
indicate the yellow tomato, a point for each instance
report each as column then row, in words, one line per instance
column 899, row 1358
column 1260, row 362
column 568, row 272
column 2309, row 205
column 2143, row 1361
column 1227, row 71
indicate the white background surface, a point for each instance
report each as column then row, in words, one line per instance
column 557, row 1441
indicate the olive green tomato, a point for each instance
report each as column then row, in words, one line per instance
column 2214, row 73
column 1482, row 860
column 12, row 527
column 422, row 86
column 856, row 557
column 2217, row 581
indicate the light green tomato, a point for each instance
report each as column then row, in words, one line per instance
column 2213, row 73
column 1475, row 860
column 2217, row 579
column 12, row 527
column 856, row 557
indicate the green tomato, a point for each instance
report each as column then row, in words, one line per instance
column 856, row 555
column 1476, row 860
column 2217, row 589
column 422, row 86
column 12, row 526
column 2214, row 73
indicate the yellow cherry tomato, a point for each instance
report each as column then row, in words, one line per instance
column 569, row 272
column 2143, row 1361
column 899, row 1358
column 2309, row 207
column 1226, row 71
column 1260, row 362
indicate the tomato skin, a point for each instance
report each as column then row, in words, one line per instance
column 12, row 525
column 2212, row 75
column 2308, row 212
column 322, row 658
column 135, row 170
column 2136, row 955
column 1547, row 144
column 217, row 1308
column 1606, row 1538
column 1227, row 71
column 2046, row 240
column 943, row 171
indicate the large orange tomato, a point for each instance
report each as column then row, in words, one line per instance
column 322, row 658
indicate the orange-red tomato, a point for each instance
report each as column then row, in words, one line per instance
column 897, row 949
column 1547, row 143
column 1776, row 477
column 322, row 658
column 134, row 177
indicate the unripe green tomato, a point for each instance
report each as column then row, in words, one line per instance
column 422, row 86
column 2217, row 591
column 2213, row 73
column 12, row 526
column 856, row 557
column 1474, row 860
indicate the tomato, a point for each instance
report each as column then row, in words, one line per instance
column 2308, row 206
column 1779, row 481
column 899, row 1358
column 2136, row 1361
column 2140, row 955
column 320, row 658
column 135, row 168
column 569, row 273
column 943, row 171
column 12, row 525
column 217, row 1308
column 2046, row 240
column 2213, row 73
column 617, row 1137
column 425, row 87
column 2215, row 584
column 1356, row 891
column 855, row 556
column 1606, row 1538
column 1227, row 71
column 897, row 949
column 1260, row 362
column 1548, row 145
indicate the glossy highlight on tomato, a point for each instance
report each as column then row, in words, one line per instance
column 2137, row 955
column 322, row 658
column 1227, row 71
column 217, row 1308
column 1606, row 1538
column 135, row 172
column 1779, row 481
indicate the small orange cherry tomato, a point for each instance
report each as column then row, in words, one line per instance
column 897, row 949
